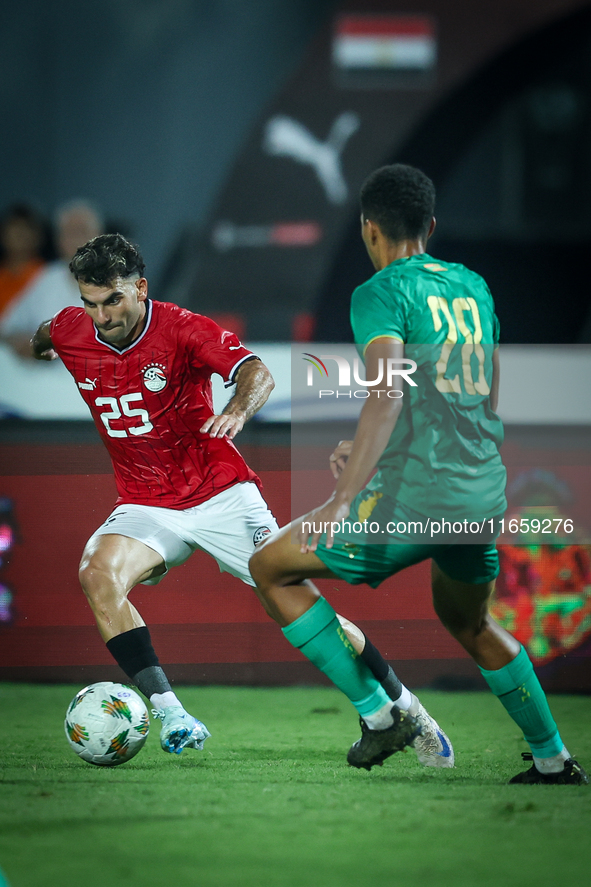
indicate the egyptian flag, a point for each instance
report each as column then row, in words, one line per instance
column 384, row 42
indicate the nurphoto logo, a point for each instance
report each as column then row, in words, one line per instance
column 387, row 371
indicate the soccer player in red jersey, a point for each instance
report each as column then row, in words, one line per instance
column 144, row 369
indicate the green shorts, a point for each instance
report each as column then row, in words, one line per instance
column 364, row 556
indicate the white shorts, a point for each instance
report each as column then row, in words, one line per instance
column 227, row 526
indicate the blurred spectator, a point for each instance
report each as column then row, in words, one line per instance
column 543, row 593
column 54, row 287
column 23, row 244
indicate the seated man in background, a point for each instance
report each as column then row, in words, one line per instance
column 54, row 287
column 23, row 236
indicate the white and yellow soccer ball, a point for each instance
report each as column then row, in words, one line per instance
column 107, row 724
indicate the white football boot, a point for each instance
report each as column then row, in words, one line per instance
column 180, row 729
column 432, row 746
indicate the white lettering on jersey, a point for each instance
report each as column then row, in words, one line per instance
column 89, row 384
column 116, row 413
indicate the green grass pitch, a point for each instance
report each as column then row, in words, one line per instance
column 271, row 802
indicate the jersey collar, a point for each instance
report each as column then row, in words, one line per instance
column 135, row 341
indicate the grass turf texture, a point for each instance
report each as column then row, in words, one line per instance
column 271, row 802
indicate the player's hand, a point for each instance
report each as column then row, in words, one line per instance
column 225, row 425
column 50, row 354
column 40, row 345
column 338, row 460
column 332, row 512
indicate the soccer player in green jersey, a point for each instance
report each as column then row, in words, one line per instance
column 439, row 481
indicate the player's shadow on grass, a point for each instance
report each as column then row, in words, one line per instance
column 430, row 778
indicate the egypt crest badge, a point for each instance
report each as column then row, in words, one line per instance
column 155, row 377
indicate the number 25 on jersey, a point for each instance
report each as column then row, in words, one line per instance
column 122, row 407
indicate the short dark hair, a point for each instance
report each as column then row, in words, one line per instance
column 105, row 258
column 400, row 199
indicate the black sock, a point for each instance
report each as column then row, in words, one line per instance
column 151, row 680
column 134, row 654
column 380, row 669
column 392, row 684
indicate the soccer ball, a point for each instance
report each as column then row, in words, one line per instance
column 107, row 724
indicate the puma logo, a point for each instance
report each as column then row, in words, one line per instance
column 89, row 384
column 285, row 137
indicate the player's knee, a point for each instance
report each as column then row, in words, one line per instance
column 268, row 571
column 462, row 624
column 260, row 566
column 98, row 579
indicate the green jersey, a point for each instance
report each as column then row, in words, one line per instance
column 443, row 458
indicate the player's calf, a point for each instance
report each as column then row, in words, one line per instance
column 134, row 653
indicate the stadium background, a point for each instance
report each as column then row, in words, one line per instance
column 198, row 129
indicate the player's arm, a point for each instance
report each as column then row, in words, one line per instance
column 41, row 344
column 376, row 423
column 254, row 384
column 496, row 376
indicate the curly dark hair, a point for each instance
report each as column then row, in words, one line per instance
column 400, row 199
column 105, row 258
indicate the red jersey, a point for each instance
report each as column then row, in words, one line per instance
column 149, row 401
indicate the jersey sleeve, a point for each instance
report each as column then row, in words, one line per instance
column 63, row 325
column 377, row 311
column 219, row 349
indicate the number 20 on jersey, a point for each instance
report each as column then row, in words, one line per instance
column 472, row 345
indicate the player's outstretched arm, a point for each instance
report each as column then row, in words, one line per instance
column 41, row 344
column 356, row 459
column 254, row 384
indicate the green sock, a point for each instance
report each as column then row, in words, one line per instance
column 319, row 636
column 519, row 690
